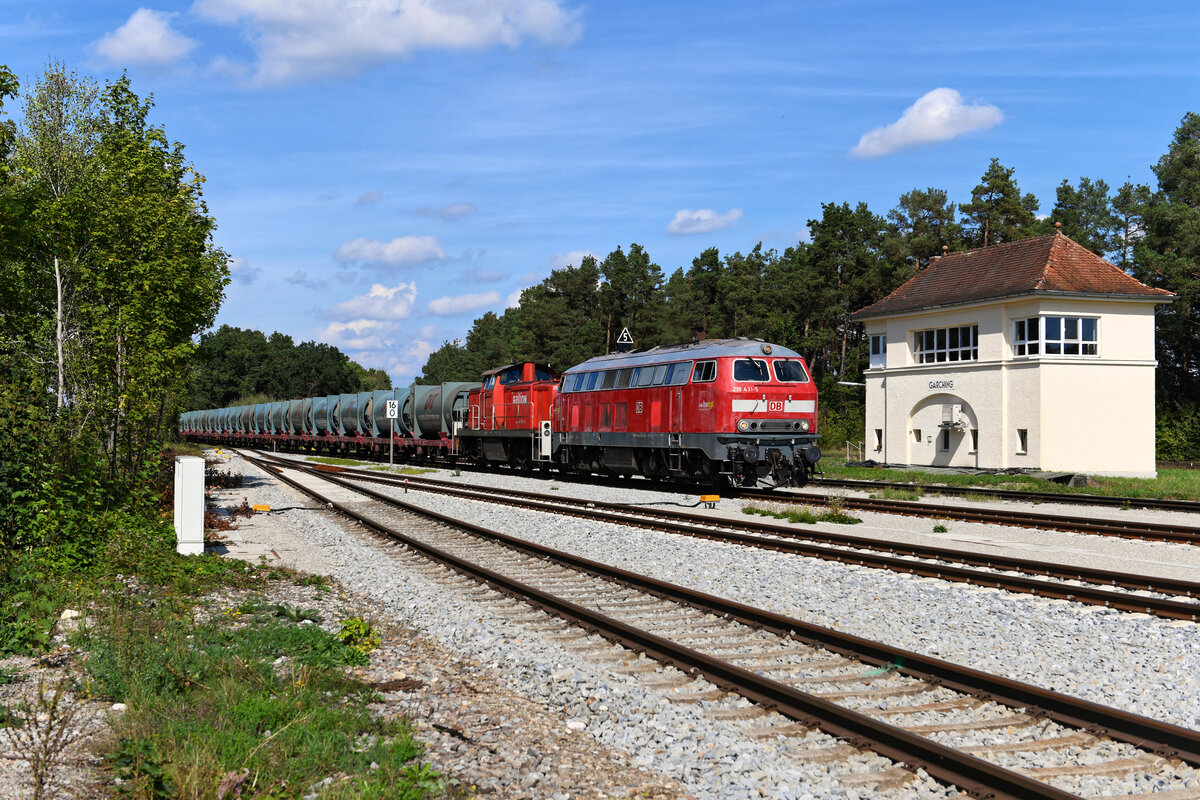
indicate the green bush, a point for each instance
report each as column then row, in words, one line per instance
column 357, row 634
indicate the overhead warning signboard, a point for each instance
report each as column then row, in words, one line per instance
column 624, row 341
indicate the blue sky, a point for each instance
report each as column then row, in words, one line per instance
column 384, row 171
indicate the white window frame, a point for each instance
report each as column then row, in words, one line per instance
column 932, row 345
column 878, row 351
column 1034, row 336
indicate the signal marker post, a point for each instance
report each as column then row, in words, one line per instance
column 392, row 408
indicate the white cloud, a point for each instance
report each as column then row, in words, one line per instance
column 321, row 38
column 702, row 220
column 359, row 334
column 404, row 361
column 241, row 271
column 448, row 306
column 935, row 117
column 147, row 39
column 482, row 275
column 572, row 259
column 381, row 303
column 514, row 298
column 450, row 212
column 300, row 278
column 404, row 251
column 369, row 198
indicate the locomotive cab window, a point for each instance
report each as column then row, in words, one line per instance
column 750, row 369
column 591, row 381
column 705, row 372
column 510, row 376
column 572, row 383
column 678, row 373
column 490, row 382
column 540, row 374
column 790, row 371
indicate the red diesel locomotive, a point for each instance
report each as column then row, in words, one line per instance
column 726, row 410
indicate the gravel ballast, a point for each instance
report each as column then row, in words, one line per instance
column 1137, row 663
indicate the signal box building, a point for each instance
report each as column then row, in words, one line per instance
column 1036, row 354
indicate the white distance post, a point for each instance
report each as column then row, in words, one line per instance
column 393, row 410
column 189, row 505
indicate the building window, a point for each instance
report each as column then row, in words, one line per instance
column 879, row 438
column 917, row 435
column 946, row 440
column 878, row 358
column 1056, row 336
column 946, row 344
column 1022, row 441
column 974, row 441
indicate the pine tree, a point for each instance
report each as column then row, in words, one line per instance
column 997, row 211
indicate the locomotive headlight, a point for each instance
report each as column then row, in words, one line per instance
column 805, row 425
column 743, row 425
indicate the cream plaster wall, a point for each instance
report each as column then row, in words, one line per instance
column 1085, row 414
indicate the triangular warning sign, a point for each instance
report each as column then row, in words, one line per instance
column 625, row 338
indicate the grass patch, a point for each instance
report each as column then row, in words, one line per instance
column 404, row 470
column 898, row 494
column 255, row 695
column 336, row 462
column 1171, row 484
column 350, row 462
column 249, row 697
column 802, row 515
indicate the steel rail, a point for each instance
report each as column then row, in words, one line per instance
column 710, row 528
column 1163, row 738
column 977, row 776
column 1067, row 498
column 1153, row 531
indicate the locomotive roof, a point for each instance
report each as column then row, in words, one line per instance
column 498, row 370
column 709, row 348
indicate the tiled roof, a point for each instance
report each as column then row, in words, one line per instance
column 1052, row 263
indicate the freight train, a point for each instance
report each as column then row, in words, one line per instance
column 722, row 411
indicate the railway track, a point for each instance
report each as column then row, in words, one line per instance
column 1148, row 531
column 962, row 726
column 1170, row 598
column 1066, row 498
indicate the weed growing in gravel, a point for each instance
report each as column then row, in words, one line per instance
column 357, row 634
column 898, row 494
column 801, row 516
column 940, row 529
column 43, row 726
